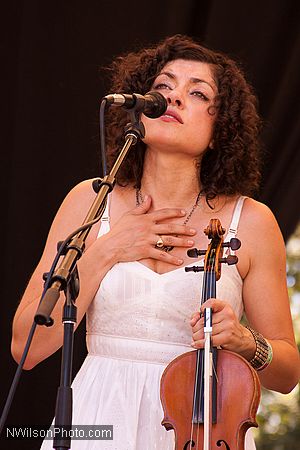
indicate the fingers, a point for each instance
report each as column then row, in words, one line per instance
column 214, row 303
column 171, row 233
column 197, row 324
column 138, row 236
column 161, row 255
column 174, row 235
column 174, row 241
column 195, row 318
column 159, row 215
column 225, row 326
column 144, row 207
column 167, row 213
column 174, row 229
column 218, row 340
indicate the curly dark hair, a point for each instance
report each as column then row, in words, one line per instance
column 232, row 166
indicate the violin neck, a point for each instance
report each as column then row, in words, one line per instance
column 205, row 399
column 198, row 404
column 209, row 286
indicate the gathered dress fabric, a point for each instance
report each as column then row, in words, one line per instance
column 138, row 322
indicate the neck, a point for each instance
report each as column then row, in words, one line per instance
column 172, row 181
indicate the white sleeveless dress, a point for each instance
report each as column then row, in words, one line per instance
column 137, row 323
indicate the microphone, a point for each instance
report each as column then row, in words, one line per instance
column 152, row 104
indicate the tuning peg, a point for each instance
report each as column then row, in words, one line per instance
column 234, row 244
column 230, row 260
column 194, row 269
column 194, row 252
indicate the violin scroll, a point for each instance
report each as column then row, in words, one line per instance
column 214, row 229
column 213, row 255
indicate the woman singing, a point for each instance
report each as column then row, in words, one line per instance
column 200, row 160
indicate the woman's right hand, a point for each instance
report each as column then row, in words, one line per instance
column 134, row 235
column 131, row 238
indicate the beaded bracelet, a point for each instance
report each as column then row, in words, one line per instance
column 263, row 353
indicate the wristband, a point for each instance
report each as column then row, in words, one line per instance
column 263, row 353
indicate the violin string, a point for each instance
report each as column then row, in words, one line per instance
column 208, row 284
column 206, row 295
column 191, row 436
column 210, row 294
column 197, row 438
column 195, row 406
column 197, row 388
column 214, row 294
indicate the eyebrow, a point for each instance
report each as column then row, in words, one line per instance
column 193, row 80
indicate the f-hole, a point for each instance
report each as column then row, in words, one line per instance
column 190, row 444
column 220, row 442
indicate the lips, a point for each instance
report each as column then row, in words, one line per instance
column 172, row 115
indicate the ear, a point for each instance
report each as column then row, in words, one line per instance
column 211, row 145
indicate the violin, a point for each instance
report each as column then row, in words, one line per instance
column 210, row 396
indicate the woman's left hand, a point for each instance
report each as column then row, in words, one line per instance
column 227, row 332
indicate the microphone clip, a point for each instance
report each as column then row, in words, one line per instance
column 135, row 127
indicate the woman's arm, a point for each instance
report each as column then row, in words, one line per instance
column 263, row 267
column 266, row 298
column 132, row 237
column 47, row 340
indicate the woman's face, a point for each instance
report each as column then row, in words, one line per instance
column 187, row 125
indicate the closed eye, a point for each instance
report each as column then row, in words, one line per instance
column 161, row 86
column 201, row 95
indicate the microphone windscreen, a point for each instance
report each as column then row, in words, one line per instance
column 157, row 106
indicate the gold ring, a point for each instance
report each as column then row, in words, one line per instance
column 159, row 243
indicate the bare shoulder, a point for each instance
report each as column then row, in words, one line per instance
column 74, row 209
column 80, row 195
column 260, row 232
column 258, row 218
column 79, row 200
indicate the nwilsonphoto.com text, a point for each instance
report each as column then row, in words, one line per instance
column 76, row 432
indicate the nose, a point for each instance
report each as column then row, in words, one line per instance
column 175, row 98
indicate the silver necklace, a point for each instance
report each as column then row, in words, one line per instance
column 139, row 200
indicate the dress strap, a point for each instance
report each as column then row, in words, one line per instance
column 105, row 219
column 233, row 228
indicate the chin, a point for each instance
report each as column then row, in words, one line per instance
column 160, row 136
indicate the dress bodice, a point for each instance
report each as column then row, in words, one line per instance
column 136, row 303
column 138, row 322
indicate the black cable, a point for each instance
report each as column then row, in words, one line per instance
column 61, row 250
column 102, row 136
column 19, row 369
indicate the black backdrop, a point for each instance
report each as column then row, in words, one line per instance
column 52, row 53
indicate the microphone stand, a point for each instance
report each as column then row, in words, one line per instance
column 66, row 278
column 64, row 399
column 133, row 131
